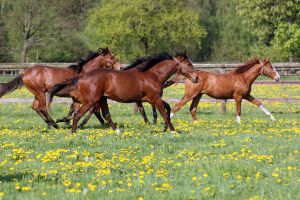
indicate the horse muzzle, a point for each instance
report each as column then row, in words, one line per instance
column 277, row 79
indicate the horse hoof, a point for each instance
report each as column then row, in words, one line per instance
column 174, row 132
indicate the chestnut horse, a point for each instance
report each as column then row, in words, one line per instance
column 39, row 79
column 236, row 84
column 142, row 85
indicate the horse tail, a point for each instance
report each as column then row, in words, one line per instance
column 62, row 88
column 11, row 86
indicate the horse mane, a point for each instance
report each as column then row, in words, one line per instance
column 78, row 67
column 145, row 63
column 246, row 66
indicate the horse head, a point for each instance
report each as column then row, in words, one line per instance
column 186, row 67
column 269, row 70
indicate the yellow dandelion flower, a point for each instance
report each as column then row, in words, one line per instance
column 26, row 188
column 92, row 187
column 275, row 174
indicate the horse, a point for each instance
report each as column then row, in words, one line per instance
column 234, row 85
column 39, row 79
column 142, row 85
column 133, row 66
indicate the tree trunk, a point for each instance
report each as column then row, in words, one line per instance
column 24, row 52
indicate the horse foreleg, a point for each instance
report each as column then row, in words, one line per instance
column 106, row 114
column 142, row 111
column 193, row 107
column 69, row 117
column 238, row 101
column 154, row 113
column 251, row 99
column 159, row 104
column 182, row 102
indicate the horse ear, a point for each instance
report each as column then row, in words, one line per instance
column 267, row 60
column 185, row 52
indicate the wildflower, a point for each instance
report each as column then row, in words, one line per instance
column 92, row 187
column 26, row 188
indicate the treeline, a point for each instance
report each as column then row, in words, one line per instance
column 210, row 30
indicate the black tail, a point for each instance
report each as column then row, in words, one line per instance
column 11, row 86
column 62, row 88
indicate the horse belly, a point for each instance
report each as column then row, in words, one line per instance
column 124, row 92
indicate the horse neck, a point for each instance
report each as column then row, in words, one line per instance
column 91, row 65
column 251, row 75
column 164, row 70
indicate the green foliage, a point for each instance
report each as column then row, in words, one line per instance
column 136, row 27
column 234, row 41
column 275, row 24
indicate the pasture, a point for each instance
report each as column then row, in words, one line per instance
column 212, row 158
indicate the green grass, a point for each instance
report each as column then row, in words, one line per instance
column 213, row 158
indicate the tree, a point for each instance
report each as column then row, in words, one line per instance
column 275, row 23
column 137, row 27
column 208, row 9
column 233, row 42
column 27, row 24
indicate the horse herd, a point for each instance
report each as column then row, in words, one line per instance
column 100, row 77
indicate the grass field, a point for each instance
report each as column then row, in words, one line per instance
column 213, row 158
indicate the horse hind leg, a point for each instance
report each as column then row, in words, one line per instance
column 154, row 113
column 256, row 102
column 43, row 109
column 142, row 111
column 168, row 109
column 69, row 117
column 79, row 113
column 35, row 107
column 193, row 107
column 106, row 114
column 179, row 105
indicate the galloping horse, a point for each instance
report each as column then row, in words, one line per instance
column 142, row 85
column 39, row 79
column 236, row 84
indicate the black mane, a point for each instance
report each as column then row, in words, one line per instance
column 78, row 67
column 145, row 63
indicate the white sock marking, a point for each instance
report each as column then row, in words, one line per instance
column 171, row 115
column 238, row 119
column 118, row 131
column 264, row 109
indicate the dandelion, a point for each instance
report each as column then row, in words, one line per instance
column 26, row 188
column 92, row 187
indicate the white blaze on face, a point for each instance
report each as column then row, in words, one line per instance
column 277, row 78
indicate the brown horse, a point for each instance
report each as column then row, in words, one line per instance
column 234, row 85
column 39, row 79
column 142, row 85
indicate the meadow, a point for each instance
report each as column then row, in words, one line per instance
column 212, row 158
